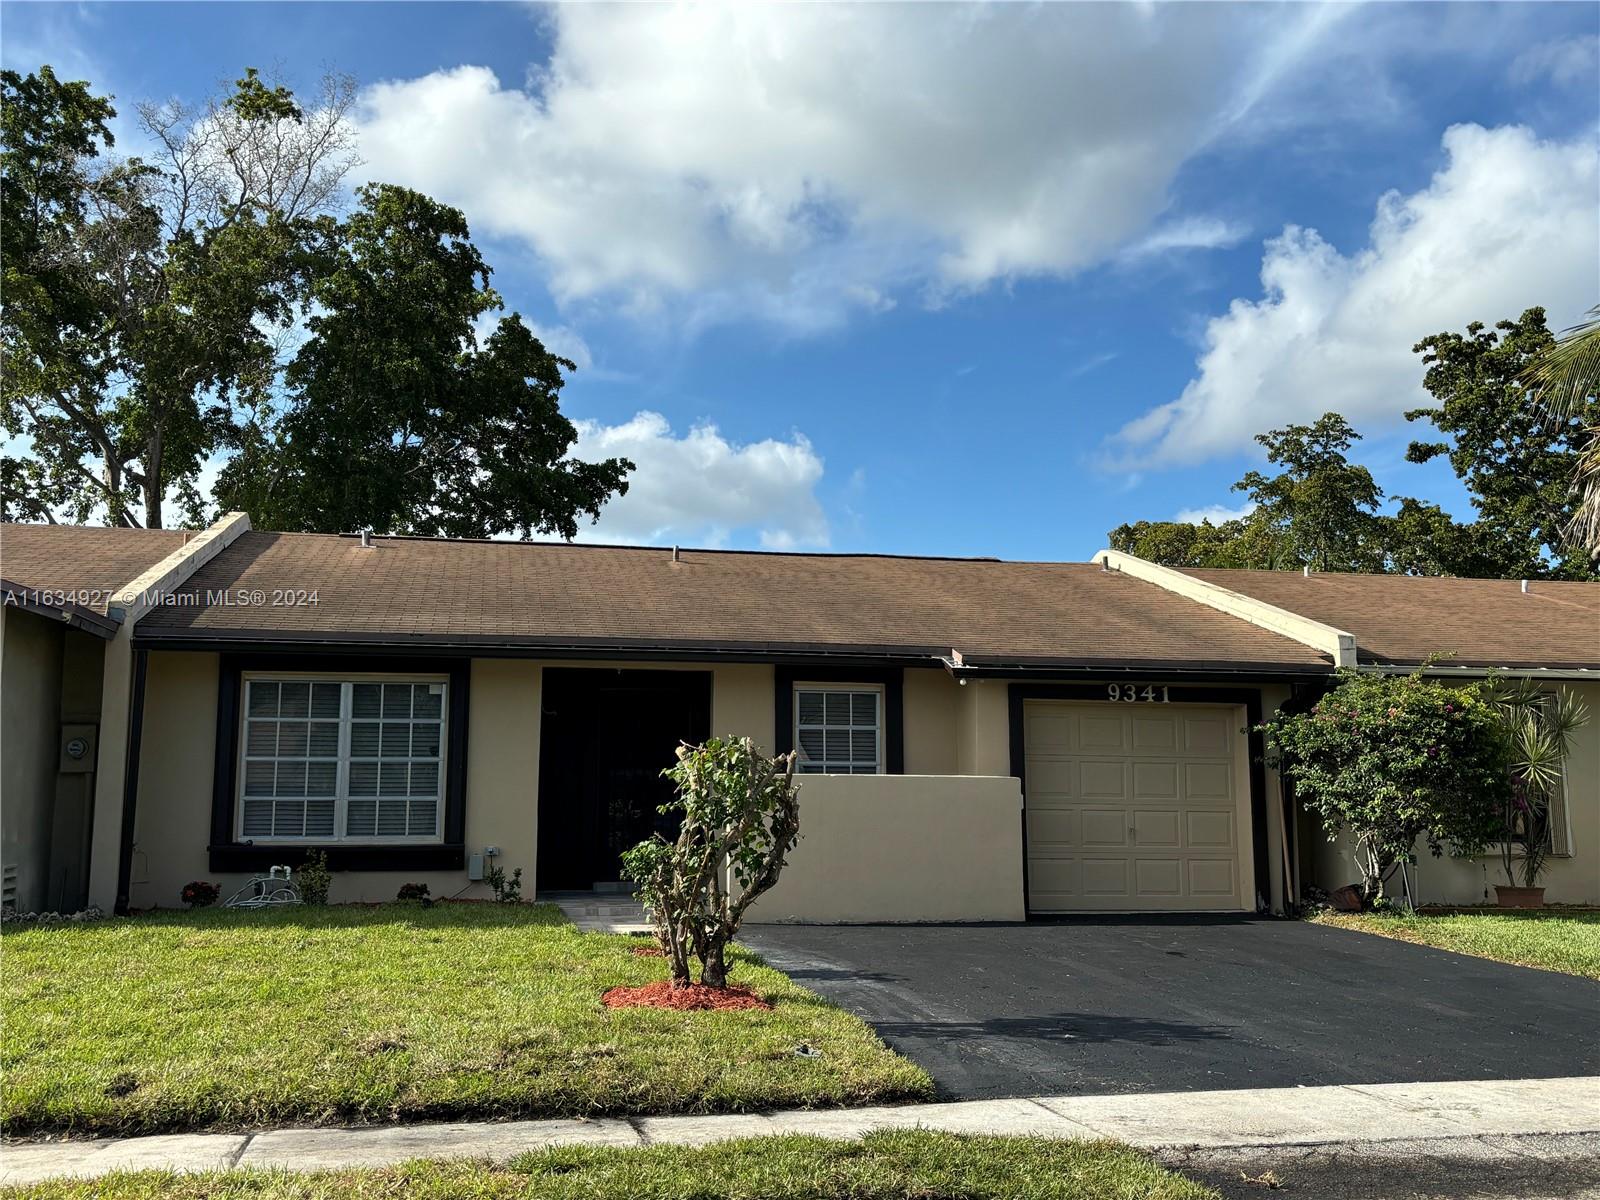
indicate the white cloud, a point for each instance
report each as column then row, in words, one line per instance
column 1093, row 363
column 1508, row 222
column 1215, row 513
column 1563, row 61
column 1188, row 233
column 702, row 488
column 798, row 162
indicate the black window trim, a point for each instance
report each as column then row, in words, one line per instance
column 890, row 679
column 228, row 853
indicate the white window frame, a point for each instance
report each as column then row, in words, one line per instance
column 346, row 680
column 876, row 688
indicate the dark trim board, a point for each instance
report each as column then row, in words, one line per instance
column 1019, row 693
column 130, row 782
column 601, row 649
column 894, row 705
column 229, row 855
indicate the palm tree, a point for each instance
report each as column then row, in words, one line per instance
column 1564, row 379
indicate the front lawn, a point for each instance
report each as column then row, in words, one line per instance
column 898, row 1165
column 1552, row 939
column 223, row 1018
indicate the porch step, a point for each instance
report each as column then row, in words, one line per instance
column 595, row 912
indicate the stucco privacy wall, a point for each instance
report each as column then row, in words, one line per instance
column 902, row 848
column 1573, row 879
column 30, row 714
column 175, row 777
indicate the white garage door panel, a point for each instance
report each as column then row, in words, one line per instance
column 1135, row 806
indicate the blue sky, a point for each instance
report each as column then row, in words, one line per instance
column 943, row 279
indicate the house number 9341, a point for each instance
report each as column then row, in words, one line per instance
column 1132, row 693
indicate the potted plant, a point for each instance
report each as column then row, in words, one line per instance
column 1538, row 729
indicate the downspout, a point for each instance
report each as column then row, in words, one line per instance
column 1302, row 696
column 130, row 782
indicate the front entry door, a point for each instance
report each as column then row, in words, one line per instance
column 605, row 738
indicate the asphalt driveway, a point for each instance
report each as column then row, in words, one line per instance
column 1122, row 1004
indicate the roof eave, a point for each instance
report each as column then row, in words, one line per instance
column 74, row 616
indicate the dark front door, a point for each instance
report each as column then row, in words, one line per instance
column 606, row 736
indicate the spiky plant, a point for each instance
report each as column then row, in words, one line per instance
column 1539, row 727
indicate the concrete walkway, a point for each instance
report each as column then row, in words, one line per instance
column 601, row 912
column 1257, row 1117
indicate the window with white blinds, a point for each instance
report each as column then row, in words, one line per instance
column 342, row 760
column 839, row 729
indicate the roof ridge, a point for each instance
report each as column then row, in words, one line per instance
column 1532, row 580
column 667, row 549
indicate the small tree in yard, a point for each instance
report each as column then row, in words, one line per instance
column 740, row 817
column 1394, row 759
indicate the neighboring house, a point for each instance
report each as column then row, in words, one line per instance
column 981, row 739
column 63, row 588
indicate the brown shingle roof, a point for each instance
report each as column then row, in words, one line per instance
column 1403, row 619
column 422, row 591
column 81, row 558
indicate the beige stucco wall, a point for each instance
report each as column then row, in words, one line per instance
column 30, row 707
column 1573, row 879
column 902, row 848
column 930, row 845
column 932, row 719
column 502, row 809
column 983, row 728
column 173, row 823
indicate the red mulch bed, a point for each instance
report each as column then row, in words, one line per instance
column 693, row 997
column 649, row 952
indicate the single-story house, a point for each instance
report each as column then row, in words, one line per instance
column 979, row 740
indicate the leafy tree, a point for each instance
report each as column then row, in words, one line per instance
column 1323, row 505
column 1394, row 760
column 1241, row 542
column 1422, row 539
column 397, row 419
column 1565, row 382
column 142, row 299
column 739, row 818
column 1319, row 510
column 1518, row 462
column 55, row 303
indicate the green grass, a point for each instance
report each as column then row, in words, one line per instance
column 227, row 1019
column 900, row 1165
column 1551, row 939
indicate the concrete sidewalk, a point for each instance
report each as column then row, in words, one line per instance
column 1259, row 1117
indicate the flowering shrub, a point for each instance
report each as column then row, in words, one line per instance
column 1395, row 760
column 200, row 894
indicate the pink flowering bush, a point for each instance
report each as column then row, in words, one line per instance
column 1396, row 760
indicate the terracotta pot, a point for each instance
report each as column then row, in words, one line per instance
column 1519, row 897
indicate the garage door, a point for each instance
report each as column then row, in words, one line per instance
column 1136, row 806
